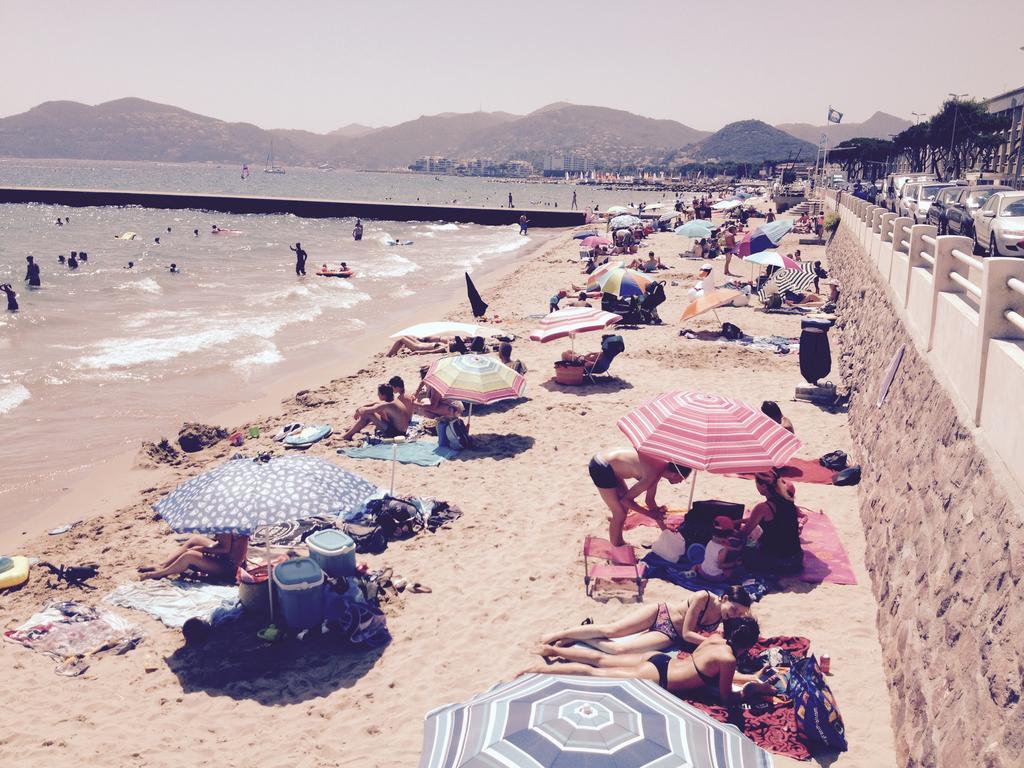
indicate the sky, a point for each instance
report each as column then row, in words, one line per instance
column 320, row 65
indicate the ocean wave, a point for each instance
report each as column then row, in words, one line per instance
column 444, row 227
column 392, row 266
column 402, row 292
column 146, row 285
column 12, row 396
column 266, row 357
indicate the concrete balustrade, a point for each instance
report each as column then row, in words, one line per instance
column 965, row 312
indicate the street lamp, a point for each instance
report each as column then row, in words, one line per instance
column 917, row 116
column 956, row 108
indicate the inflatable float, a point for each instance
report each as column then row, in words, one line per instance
column 126, row 236
column 335, row 272
column 13, row 571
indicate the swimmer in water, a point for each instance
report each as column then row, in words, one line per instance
column 72, row 261
column 131, row 265
column 215, row 229
column 59, row 222
column 174, row 269
column 83, row 256
column 12, row 297
column 61, row 258
column 168, row 229
column 32, row 273
column 357, row 230
column 156, row 241
column 195, row 233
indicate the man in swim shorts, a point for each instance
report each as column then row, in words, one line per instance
column 609, row 469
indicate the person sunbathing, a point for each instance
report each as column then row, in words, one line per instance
column 391, row 419
column 433, row 406
column 657, row 627
column 609, row 469
column 418, row 346
column 580, row 301
column 710, row 669
column 219, row 556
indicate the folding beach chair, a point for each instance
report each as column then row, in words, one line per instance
column 611, row 346
column 619, row 564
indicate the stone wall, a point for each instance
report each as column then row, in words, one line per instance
column 945, row 545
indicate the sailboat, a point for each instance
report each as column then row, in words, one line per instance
column 271, row 168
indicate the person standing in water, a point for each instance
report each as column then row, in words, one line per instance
column 72, row 261
column 300, row 258
column 32, row 273
column 357, row 231
column 524, row 224
column 12, row 297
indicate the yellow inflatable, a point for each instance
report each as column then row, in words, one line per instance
column 13, row 571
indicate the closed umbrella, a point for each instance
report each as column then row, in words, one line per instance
column 573, row 320
column 566, row 721
column 478, row 305
column 623, row 282
column 708, row 432
column 583, row 235
column 474, row 379
column 710, row 301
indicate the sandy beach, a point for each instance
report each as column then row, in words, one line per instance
column 507, row 571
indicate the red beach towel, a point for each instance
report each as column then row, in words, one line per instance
column 801, row 471
column 825, row 558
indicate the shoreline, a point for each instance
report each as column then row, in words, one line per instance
column 102, row 486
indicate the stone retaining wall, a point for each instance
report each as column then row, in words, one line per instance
column 945, row 545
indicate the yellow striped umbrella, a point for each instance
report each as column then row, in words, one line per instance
column 624, row 282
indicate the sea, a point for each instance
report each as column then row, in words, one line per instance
column 104, row 357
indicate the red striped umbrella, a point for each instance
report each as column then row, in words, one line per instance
column 572, row 320
column 708, row 432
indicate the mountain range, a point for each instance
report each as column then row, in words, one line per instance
column 136, row 129
column 879, row 126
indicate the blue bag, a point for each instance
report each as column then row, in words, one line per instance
column 817, row 716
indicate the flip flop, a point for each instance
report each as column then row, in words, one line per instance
column 286, row 430
column 420, row 589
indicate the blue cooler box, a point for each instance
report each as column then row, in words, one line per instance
column 298, row 587
column 334, row 551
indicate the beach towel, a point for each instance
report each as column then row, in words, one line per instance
column 291, row 533
column 71, row 633
column 682, row 574
column 175, row 602
column 422, row 453
column 825, row 558
column 770, row 725
column 800, row 471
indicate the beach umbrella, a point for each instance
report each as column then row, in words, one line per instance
column 444, row 328
column 623, row 282
column 800, row 279
column 776, row 230
column 572, row 320
column 693, row 229
column 772, row 259
column 708, row 432
column 479, row 305
column 568, row 721
column 710, row 301
column 617, row 209
column 583, row 235
column 594, row 240
column 623, row 221
column 654, row 207
column 474, row 379
column 594, row 278
column 726, row 205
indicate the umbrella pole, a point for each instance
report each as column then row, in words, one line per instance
column 270, row 581
column 693, row 486
column 469, row 418
column 394, row 466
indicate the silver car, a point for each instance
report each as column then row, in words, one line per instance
column 999, row 225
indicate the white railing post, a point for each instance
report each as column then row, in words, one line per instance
column 884, row 238
column 941, row 281
column 903, row 265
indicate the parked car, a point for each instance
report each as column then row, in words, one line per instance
column 938, row 211
column 921, row 202
column 894, row 184
column 960, row 213
column 999, row 224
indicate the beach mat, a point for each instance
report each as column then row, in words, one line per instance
column 682, row 575
column 175, row 602
column 422, row 453
column 825, row 558
column 800, row 471
column 672, row 520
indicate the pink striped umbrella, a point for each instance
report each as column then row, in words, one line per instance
column 475, row 379
column 572, row 320
column 708, row 432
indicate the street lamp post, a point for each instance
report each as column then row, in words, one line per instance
column 956, row 109
column 917, row 117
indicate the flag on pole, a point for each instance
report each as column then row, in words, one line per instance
column 834, row 115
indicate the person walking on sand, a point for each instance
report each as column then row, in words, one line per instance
column 510, row 200
column 300, row 258
column 32, row 273
column 524, row 224
column 609, row 469
column 12, row 297
column 574, row 200
column 730, row 249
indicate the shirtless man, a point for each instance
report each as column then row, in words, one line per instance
column 609, row 469
column 730, row 249
column 389, row 417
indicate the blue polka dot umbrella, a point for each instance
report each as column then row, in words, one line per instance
column 241, row 495
column 542, row 721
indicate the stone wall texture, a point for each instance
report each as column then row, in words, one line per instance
column 945, row 545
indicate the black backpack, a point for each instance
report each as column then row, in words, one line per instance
column 699, row 524
column 834, row 461
column 732, row 332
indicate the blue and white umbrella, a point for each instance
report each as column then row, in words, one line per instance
column 542, row 721
column 694, row 229
column 627, row 221
column 241, row 495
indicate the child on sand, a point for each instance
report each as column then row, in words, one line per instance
column 722, row 552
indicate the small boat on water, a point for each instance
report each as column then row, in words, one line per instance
column 270, row 167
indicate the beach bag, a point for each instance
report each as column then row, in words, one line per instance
column 457, row 435
column 849, row 476
column 836, row 460
column 732, row 332
column 398, row 518
column 670, row 546
column 369, row 539
column 818, row 721
column 774, row 301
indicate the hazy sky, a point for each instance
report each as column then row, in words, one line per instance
column 320, row 65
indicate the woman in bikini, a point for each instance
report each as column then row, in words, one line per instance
column 711, row 668
column 219, row 556
column 683, row 625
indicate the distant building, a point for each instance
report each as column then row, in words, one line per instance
column 567, row 162
column 434, row 164
column 1009, row 158
column 472, row 167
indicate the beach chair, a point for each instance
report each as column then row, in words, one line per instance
column 611, row 346
column 617, row 564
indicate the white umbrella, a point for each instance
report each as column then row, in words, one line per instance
column 616, row 209
column 444, row 328
column 726, row 205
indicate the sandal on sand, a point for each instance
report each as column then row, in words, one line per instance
column 586, row 621
column 420, row 589
column 145, row 569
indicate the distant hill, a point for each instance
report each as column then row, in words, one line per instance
column 135, row 129
column 748, row 141
column 352, row 131
column 879, row 126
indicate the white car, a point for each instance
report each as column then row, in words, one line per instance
column 999, row 225
column 920, row 200
column 903, row 200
